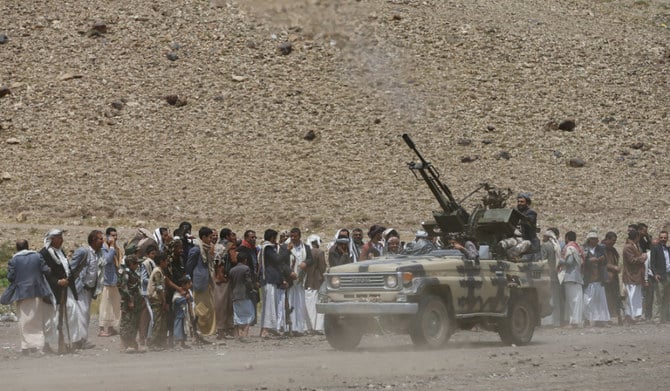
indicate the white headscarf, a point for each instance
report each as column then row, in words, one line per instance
column 554, row 242
column 159, row 239
column 352, row 253
column 56, row 253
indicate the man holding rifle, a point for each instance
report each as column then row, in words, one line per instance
column 63, row 288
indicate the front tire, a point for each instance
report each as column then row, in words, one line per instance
column 432, row 327
column 519, row 326
column 342, row 333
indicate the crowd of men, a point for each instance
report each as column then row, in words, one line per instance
column 595, row 285
column 161, row 287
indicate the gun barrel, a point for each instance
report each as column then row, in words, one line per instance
column 408, row 141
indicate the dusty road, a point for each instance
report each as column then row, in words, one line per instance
column 558, row 359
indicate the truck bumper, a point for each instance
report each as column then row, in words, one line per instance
column 367, row 308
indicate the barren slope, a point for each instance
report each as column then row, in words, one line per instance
column 360, row 73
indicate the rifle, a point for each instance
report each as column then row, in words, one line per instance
column 453, row 218
column 287, row 312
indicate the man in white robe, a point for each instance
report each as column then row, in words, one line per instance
column 26, row 272
column 298, row 256
column 595, row 274
column 62, row 286
column 313, row 280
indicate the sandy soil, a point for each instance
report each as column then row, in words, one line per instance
column 613, row 358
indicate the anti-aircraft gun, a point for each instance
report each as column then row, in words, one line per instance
column 488, row 224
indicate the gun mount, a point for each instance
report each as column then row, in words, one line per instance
column 488, row 224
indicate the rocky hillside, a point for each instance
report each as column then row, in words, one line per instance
column 279, row 113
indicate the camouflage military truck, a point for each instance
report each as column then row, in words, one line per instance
column 431, row 296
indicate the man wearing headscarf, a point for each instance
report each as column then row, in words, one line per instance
column 163, row 238
column 551, row 251
column 421, row 244
column 62, row 286
column 313, row 280
column 350, row 251
column 571, row 260
column 595, row 274
column 201, row 264
column 298, row 256
column 274, row 286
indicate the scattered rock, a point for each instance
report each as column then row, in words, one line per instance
column 248, row 366
column 172, row 56
column 69, row 76
column 3, row 39
column 175, row 100
column 93, row 33
column 490, row 128
column 13, row 141
column 503, row 155
column 551, row 125
column 251, row 44
column 377, row 121
column 464, row 142
column 568, row 125
column 557, row 153
column 285, row 48
column 637, row 145
column 175, row 46
column 118, row 104
column 238, row 78
column 396, row 17
column 100, row 26
column 6, row 176
column 310, row 135
column 4, row 91
column 608, row 120
column 469, row 159
column 487, row 142
column 576, row 162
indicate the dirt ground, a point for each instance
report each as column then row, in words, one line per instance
column 557, row 359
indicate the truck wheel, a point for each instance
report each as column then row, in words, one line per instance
column 431, row 327
column 342, row 333
column 519, row 325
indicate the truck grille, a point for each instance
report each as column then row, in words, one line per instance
column 362, row 281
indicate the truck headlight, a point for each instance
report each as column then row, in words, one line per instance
column 391, row 281
column 335, row 282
